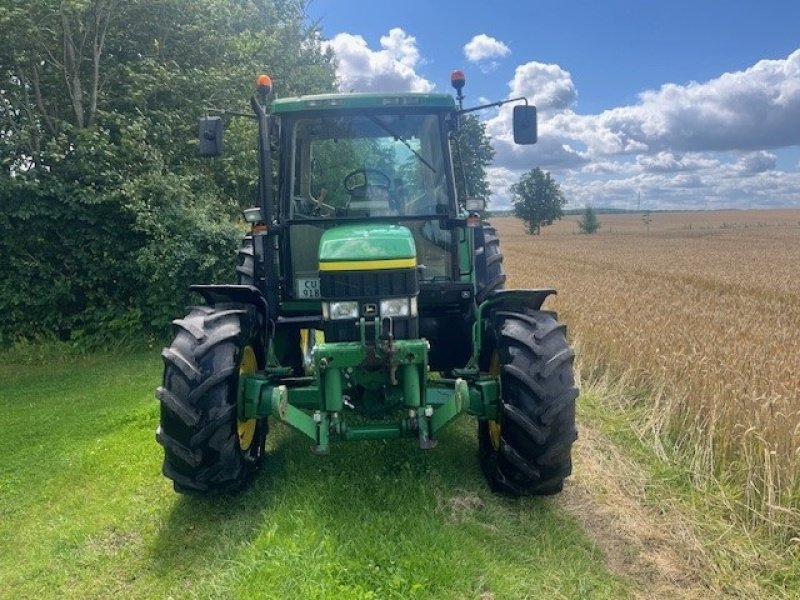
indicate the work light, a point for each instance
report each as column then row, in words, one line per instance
column 339, row 310
column 399, row 307
column 253, row 215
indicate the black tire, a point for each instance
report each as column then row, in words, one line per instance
column 489, row 272
column 289, row 353
column 528, row 451
column 199, row 427
column 245, row 271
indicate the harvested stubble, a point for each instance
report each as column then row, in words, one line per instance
column 704, row 312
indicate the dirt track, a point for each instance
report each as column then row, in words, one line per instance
column 654, row 547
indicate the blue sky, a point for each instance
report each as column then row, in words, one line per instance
column 688, row 104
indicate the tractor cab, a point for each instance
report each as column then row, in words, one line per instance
column 368, row 171
column 369, row 159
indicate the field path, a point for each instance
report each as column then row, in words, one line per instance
column 649, row 545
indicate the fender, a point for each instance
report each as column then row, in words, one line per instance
column 501, row 300
column 240, row 294
column 515, row 299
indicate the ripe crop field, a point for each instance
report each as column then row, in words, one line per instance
column 703, row 313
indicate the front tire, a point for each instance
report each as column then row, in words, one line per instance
column 527, row 451
column 207, row 449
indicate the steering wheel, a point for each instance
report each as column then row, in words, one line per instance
column 371, row 177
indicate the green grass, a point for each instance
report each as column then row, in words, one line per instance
column 85, row 512
column 736, row 563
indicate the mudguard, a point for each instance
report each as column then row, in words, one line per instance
column 516, row 299
column 240, row 294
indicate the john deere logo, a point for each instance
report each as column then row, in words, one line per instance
column 370, row 310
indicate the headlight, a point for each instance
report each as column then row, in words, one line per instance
column 399, row 307
column 339, row 310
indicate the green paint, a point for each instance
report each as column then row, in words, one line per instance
column 294, row 417
column 332, row 384
column 380, row 431
column 366, row 242
column 453, row 407
column 411, row 387
column 432, row 404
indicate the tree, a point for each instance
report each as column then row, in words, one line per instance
column 472, row 153
column 106, row 213
column 589, row 223
column 537, row 200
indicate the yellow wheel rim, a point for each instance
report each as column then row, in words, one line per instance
column 247, row 429
column 494, row 426
column 308, row 339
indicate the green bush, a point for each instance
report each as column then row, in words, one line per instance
column 93, row 255
column 107, row 215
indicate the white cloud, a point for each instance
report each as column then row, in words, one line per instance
column 667, row 162
column 754, row 109
column 483, row 47
column 549, row 87
column 711, row 144
column 390, row 69
column 705, row 144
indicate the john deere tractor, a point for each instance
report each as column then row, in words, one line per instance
column 369, row 305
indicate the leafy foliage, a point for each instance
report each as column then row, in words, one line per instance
column 107, row 214
column 589, row 223
column 537, row 200
column 472, row 153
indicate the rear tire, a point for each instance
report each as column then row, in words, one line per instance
column 489, row 272
column 200, row 430
column 245, row 271
column 528, row 450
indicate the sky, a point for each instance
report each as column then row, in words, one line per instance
column 642, row 104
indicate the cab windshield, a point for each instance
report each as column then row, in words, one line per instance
column 375, row 165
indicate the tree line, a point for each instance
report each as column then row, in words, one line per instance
column 106, row 213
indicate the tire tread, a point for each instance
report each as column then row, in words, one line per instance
column 537, row 407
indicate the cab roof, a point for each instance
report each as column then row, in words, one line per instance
column 362, row 100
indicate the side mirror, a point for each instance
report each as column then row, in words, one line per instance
column 210, row 130
column 525, row 129
column 475, row 204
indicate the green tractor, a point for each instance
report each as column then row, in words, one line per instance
column 370, row 305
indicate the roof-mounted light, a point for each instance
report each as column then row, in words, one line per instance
column 457, row 80
column 264, row 84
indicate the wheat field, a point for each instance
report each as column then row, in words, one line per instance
column 702, row 311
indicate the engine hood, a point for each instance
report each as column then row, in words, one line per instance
column 366, row 247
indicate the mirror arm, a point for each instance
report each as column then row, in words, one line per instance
column 492, row 105
column 217, row 112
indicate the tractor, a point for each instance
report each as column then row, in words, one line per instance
column 370, row 304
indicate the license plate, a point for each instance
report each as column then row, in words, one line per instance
column 307, row 288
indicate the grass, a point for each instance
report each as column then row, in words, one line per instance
column 85, row 512
column 672, row 517
column 701, row 309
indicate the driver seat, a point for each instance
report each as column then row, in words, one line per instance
column 370, row 201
